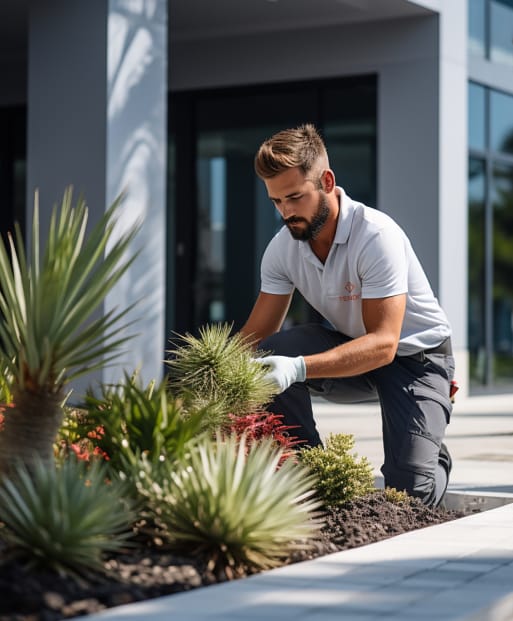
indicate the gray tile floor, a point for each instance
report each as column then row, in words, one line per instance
column 457, row 571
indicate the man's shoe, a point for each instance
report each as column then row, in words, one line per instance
column 445, row 460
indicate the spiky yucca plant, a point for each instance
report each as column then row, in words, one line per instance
column 63, row 518
column 234, row 505
column 49, row 333
column 218, row 369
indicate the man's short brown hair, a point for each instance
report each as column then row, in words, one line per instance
column 300, row 147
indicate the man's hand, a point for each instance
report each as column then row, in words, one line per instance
column 284, row 370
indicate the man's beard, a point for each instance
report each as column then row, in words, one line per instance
column 313, row 227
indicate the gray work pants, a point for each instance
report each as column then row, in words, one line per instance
column 413, row 392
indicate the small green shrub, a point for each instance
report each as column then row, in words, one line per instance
column 340, row 475
column 63, row 518
column 233, row 505
column 218, row 370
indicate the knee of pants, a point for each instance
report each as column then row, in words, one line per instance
column 416, row 484
column 281, row 344
column 304, row 339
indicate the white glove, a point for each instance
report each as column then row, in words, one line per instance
column 284, row 370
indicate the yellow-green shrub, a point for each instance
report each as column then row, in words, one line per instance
column 341, row 476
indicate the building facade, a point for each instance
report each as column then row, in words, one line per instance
column 169, row 101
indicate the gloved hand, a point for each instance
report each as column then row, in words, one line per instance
column 284, row 370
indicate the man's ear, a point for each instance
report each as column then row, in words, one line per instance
column 328, row 181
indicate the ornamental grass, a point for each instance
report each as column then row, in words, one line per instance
column 234, row 506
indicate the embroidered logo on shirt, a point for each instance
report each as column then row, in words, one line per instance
column 350, row 287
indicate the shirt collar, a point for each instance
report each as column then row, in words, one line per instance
column 345, row 218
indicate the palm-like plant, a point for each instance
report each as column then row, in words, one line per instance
column 49, row 332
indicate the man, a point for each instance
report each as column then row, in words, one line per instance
column 387, row 339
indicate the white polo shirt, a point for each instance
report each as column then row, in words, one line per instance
column 371, row 257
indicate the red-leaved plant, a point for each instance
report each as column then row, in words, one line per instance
column 259, row 425
column 85, row 449
column 3, row 407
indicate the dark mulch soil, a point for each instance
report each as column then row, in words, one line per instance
column 152, row 572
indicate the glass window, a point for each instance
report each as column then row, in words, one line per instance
column 235, row 218
column 476, row 271
column 350, row 133
column 503, row 272
column 501, row 31
column 476, row 116
column 476, row 27
column 12, row 167
column 501, row 122
column 490, row 237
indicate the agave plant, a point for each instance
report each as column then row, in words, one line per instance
column 234, row 506
column 49, row 329
column 218, row 369
column 128, row 420
column 65, row 518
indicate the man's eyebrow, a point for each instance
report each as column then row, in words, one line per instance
column 286, row 196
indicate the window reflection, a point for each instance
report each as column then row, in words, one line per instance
column 211, row 233
column 490, row 234
column 476, row 271
column 501, row 122
column 501, row 31
column 476, row 116
column 476, row 27
column 503, row 271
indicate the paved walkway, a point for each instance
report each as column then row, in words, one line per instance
column 457, row 571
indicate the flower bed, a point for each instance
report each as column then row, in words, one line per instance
column 154, row 571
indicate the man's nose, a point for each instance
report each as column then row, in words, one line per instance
column 286, row 209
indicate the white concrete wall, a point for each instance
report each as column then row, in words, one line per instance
column 136, row 139
column 97, row 118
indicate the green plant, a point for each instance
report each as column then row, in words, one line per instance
column 397, row 497
column 6, row 384
column 234, row 506
column 128, row 420
column 49, row 331
column 62, row 518
column 218, row 369
column 340, row 475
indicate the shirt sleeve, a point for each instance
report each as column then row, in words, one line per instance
column 274, row 278
column 383, row 264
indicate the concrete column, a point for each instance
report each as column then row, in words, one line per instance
column 97, row 112
column 453, row 176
